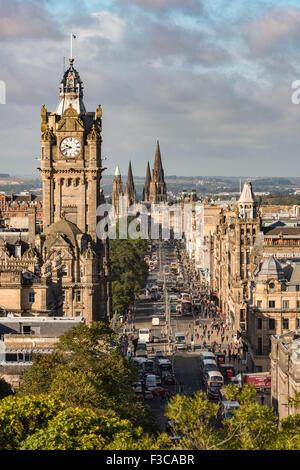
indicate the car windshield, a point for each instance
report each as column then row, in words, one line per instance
column 209, row 367
column 179, row 339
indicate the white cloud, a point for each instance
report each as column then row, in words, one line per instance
column 105, row 25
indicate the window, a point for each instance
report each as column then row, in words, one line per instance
column 297, row 288
column 285, row 323
column 285, row 304
column 259, row 345
column 26, row 330
column 242, row 314
column 31, row 297
column 77, row 314
column 271, row 324
column 78, row 296
column 259, row 304
column 64, row 271
column 298, row 303
column 259, row 323
column 271, row 303
column 297, row 322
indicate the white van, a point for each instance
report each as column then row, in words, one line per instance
column 180, row 341
column 150, row 381
column 141, row 349
column 144, row 335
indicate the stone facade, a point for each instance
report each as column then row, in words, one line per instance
column 64, row 270
column 285, row 371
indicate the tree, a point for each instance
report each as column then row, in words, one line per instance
column 22, row 416
column 45, row 423
column 129, row 270
column 252, row 426
column 89, row 370
column 5, row 388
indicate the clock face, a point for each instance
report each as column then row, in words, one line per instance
column 70, row 147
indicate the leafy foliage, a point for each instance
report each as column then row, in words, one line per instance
column 251, row 427
column 129, row 271
column 5, row 388
column 88, row 370
column 45, row 423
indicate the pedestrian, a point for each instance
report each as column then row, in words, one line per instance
column 229, row 355
column 262, row 400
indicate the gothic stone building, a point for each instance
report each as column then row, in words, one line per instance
column 65, row 267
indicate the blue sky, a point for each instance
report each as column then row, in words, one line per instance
column 210, row 78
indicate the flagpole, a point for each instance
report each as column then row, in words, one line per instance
column 71, row 45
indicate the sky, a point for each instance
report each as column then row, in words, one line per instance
column 211, row 79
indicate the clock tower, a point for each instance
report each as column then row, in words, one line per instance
column 71, row 158
column 71, row 168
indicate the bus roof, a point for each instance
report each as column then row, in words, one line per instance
column 214, row 373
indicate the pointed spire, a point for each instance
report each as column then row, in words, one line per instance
column 71, row 91
column 146, row 190
column 117, row 172
column 157, row 172
column 117, row 192
column 247, row 195
column 158, row 188
column 247, row 204
column 130, row 188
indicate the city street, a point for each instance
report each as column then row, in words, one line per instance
column 200, row 329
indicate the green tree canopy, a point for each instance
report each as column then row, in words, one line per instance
column 46, row 423
column 88, row 370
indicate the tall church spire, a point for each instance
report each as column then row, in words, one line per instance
column 157, row 172
column 130, row 188
column 158, row 188
column 71, row 91
column 146, row 190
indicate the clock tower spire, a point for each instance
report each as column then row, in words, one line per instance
column 71, row 171
column 71, row 91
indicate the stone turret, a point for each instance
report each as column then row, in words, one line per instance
column 247, row 204
column 117, row 192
